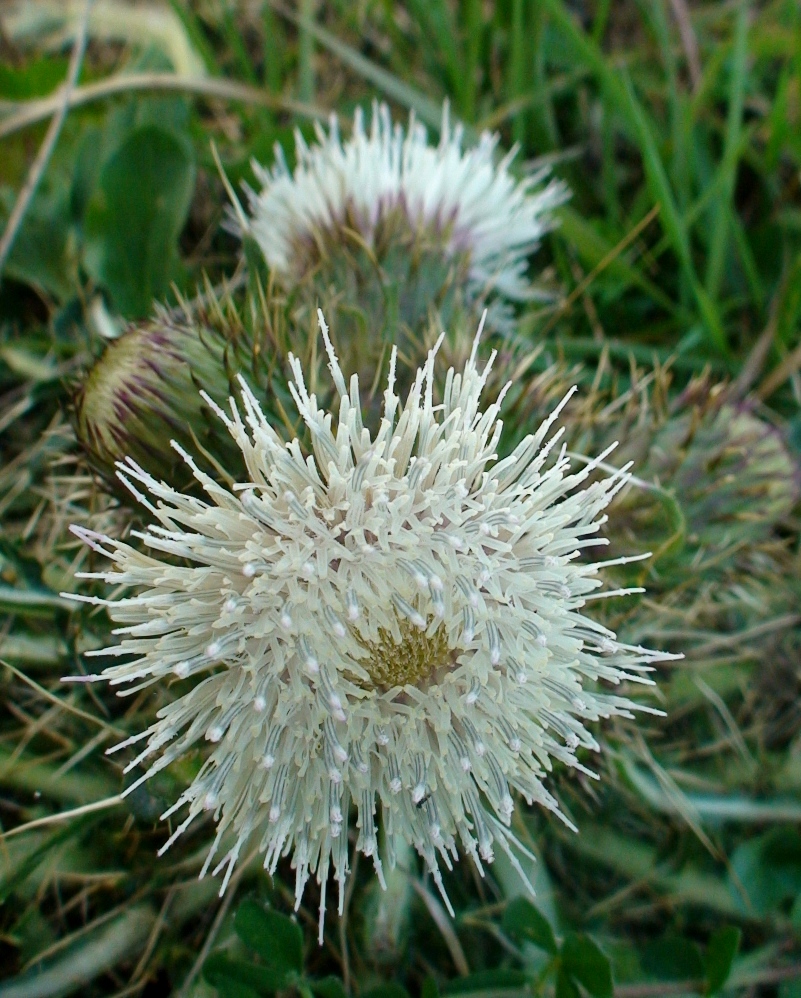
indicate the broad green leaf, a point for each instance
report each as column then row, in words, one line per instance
column 40, row 253
column 768, row 868
column 238, row 978
column 720, row 954
column 33, row 650
column 227, row 987
column 36, row 78
column 583, row 959
column 388, row 990
column 274, row 937
column 328, row 987
column 135, row 216
column 522, row 921
column 429, row 988
column 632, row 858
column 565, row 987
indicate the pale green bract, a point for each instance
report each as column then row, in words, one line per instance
column 388, row 629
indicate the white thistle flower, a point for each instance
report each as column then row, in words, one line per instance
column 388, row 628
column 472, row 206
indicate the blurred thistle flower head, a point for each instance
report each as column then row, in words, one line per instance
column 401, row 226
column 387, row 629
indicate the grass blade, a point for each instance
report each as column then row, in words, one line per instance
column 436, row 22
column 722, row 213
column 662, row 193
column 593, row 248
column 428, row 111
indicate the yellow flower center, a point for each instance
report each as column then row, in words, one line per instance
column 413, row 660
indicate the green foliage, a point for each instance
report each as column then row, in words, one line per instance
column 766, row 871
column 40, row 256
column 486, row 980
column 135, row 215
column 522, row 921
column 273, row 937
column 720, row 954
column 276, row 942
column 36, row 78
column 584, row 961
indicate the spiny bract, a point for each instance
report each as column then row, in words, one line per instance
column 389, row 626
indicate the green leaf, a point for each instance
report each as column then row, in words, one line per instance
column 673, row 958
column 328, row 987
column 768, row 868
column 487, row 981
column 565, row 988
column 720, row 954
column 135, row 216
column 388, row 990
column 274, row 937
column 429, row 988
column 39, row 255
column 33, row 774
column 37, row 78
column 224, row 972
column 522, row 921
column 439, row 31
column 583, row 959
column 226, row 987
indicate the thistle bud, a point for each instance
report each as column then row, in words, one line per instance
column 143, row 393
column 733, row 471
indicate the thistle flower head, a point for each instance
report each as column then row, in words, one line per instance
column 386, row 628
column 400, row 226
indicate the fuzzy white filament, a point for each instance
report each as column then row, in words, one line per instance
column 386, row 630
column 475, row 204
